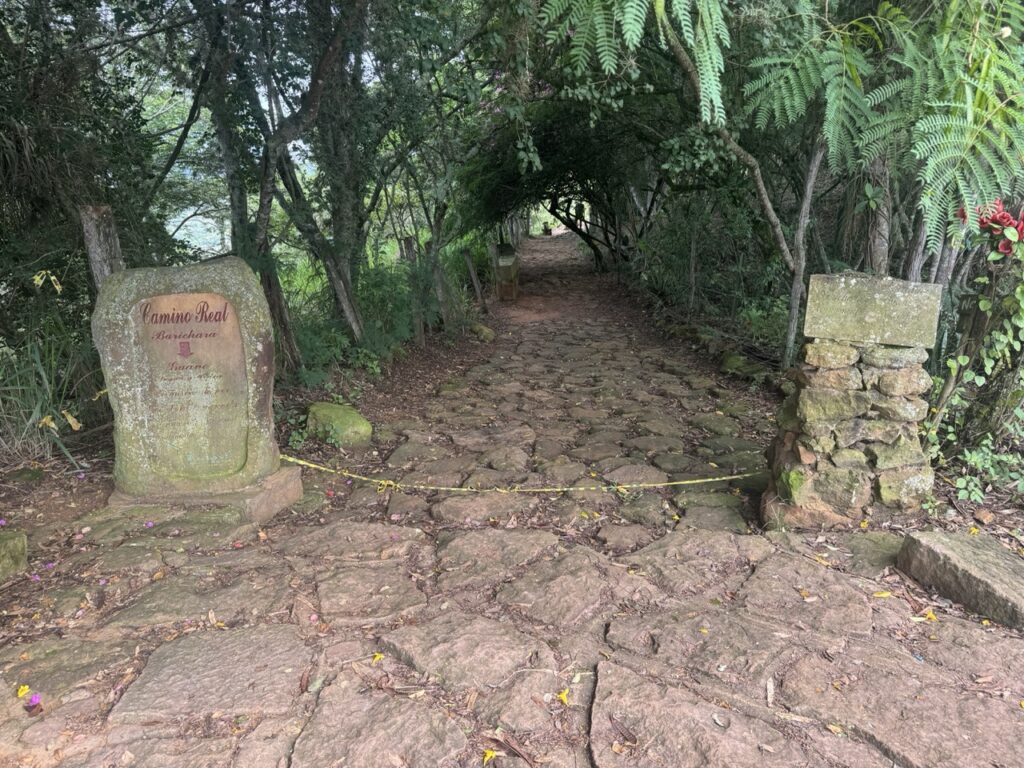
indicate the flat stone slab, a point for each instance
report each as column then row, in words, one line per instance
column 462, row 651
column 561, row 592
column 54, row 667
column 368, row 592
column 192, row 598
column 691, row 562
column 852, row 306
column 353, row 726
column 350, row 541
column 974, row 570
column 637, row 721
column 480, row 558
column 481, row 507
column 254, row 672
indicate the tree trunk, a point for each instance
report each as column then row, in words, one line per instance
column 291, row 357
column 918, row 253
column 101, row 242
column 880, row 221
column 407, row 247
column 796, row 291
column 475, row 279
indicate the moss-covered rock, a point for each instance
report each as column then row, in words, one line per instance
column 482, row 332
column 339, row 424
column 906, row 487
column 912, row 380
column 830, row 406
column 830, row 354
column 905, row 452
column 13, row 553
column 893, row 357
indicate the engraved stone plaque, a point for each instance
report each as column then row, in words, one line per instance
column 195, row 380
column 187, row 355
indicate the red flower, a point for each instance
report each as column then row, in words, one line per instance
column 962, row 215
column 1004, row 219
column 1005, row 247
column 983, row 221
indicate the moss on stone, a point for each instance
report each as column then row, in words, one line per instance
column 341, row 425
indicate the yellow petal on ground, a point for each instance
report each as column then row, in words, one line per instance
column 973, row 530
column 882, row 595
column 74, row 423
column 863, row 525
column 47, row 421
column 377, row 657
column 23, row 691
column 930, row 615
column 563, row 696
column 836, row 729
column 489, row 754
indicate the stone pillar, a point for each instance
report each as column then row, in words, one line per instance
column 848, row 443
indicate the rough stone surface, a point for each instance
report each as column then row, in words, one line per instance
column 462, row 651
column 974, row 570
column 852, row 306
column 368, row 592
column 188, row 361
column 253, row 671
column 480, row 558
column 342, row 425
column 353, row 726
column 593, row 629
column 823, row 353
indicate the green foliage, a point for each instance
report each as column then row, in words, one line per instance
column 600, row 28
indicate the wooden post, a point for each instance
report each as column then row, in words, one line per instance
column 101, row 242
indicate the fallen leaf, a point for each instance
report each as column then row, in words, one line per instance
column 836, row 729
column 882, row 595
column 74, row 423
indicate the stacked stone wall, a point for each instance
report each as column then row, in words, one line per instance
column 848, row 444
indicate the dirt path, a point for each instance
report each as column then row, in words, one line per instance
column 539, row 630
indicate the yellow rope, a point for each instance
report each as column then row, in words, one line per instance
column 384, row 484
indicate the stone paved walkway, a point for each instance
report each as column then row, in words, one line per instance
column 540, row 631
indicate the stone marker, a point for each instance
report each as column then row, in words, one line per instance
column 852, row 306
column 188, row 358
column 848, row 440
column 507, row 278
column 973, row 570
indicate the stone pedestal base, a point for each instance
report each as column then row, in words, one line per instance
column 257, row 504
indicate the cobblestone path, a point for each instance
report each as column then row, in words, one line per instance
column 555, row 630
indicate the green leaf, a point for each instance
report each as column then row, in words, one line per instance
column 1011, row 234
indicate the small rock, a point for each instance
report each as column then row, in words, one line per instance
column 482, row 332
column 974, row 570
column 341, row 425
column 830, row 354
